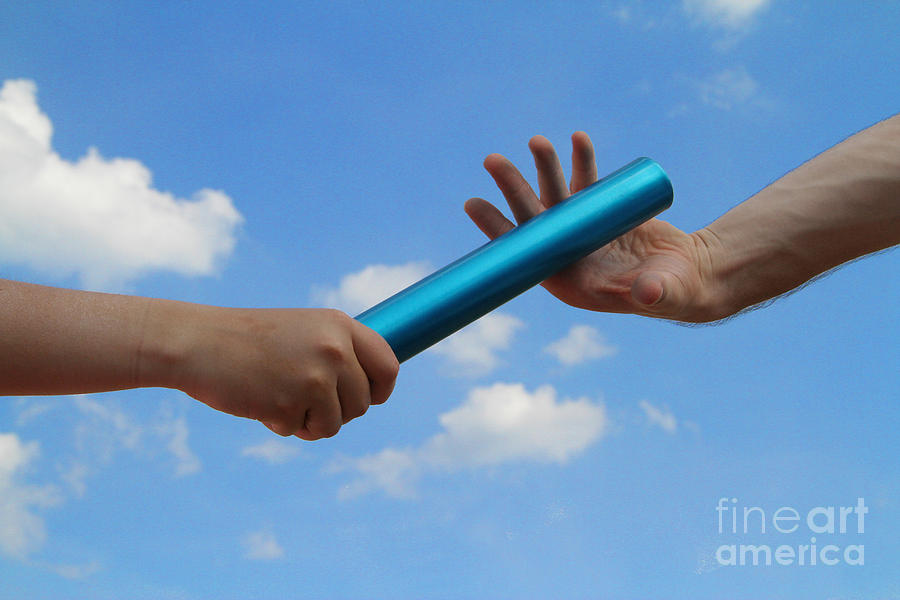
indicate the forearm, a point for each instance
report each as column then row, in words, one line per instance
column 302, row 372
column 59, row 341
column 841, row 205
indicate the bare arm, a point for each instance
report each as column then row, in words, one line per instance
column 841, row 205
column 302, row 372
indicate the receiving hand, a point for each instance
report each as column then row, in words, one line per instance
column 654, row 269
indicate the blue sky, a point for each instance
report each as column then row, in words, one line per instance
column 320, row 154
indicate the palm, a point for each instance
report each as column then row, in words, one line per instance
column 603, row 280
column 625, row 275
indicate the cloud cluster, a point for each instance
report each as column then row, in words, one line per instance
column 730, row 14
column 100, row 219
column 81, row 571
column 22, row 529
column 364, row 289
column 186, row 462
column 581, row 344
column 272, row 451
column 726, row 90
column 102, row 431
column 660, row 417
column 262, row 545
column 473, row 350
column 729, row 88
column 496, row 424
column 106, row 430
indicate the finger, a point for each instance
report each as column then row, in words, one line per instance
column 584, row 163
column 278, row 428
column 323, row 418
column 487, row 217
column 551, row 179
column 353, row 392
column 321, row 423
column 521, row 198
column 303, row 434
column 287, row 419
column 377, row 360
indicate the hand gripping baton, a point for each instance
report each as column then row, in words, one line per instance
column 474, row 285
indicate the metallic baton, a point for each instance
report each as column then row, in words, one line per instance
column 449, row 299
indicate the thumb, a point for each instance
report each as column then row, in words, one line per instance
column 662, row 291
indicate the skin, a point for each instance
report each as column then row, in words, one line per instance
column 306, row 372
column 841, row 205
column 303, row 372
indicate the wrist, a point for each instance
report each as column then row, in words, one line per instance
column 713, row 300
column 747, row 267
column 170, row 332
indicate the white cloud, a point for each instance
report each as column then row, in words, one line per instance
column 186, row 462
column 392, row 471
column 98, row 218
column 104, row 430
column 495, row 425
column 581, row 344
column 730, row 88
column 75, row 476
column 29, row 409
column 108, row 430
column 364, row 289
column 473, row 349
column 76, row 571
column 22, row 530
column 506, row 422
column 272, row 451
column 730, row 14
column 623, row 14
column 661, row 417
column 262, row 545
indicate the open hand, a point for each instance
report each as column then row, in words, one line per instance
column 655, row 269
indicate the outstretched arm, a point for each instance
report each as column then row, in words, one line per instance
column 301, row 372
column 840, row 205
column 843, row 204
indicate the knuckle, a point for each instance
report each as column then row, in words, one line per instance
column 317, row 382
column 278, row 428
column 337, row 316
column 282, row 402
column 520, row 187
column 332, row 351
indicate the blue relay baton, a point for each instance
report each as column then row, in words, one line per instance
column 449, row 299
